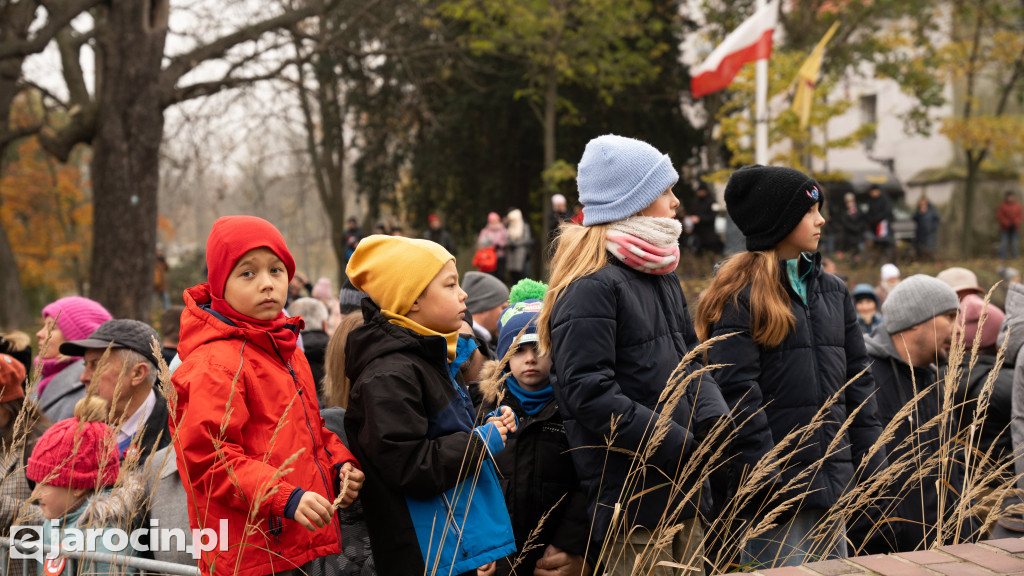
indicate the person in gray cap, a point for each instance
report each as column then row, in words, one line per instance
column 127, row 379
column 486, row 298
column 914, row 337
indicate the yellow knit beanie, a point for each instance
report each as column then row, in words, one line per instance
column 394, row 270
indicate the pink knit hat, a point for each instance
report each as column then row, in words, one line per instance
column 970, row 313
column 322, row 290
column 77, row 316
column 56, row 460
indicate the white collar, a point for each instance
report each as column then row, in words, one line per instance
column 131, row 425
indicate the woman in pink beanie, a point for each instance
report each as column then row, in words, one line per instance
column 75, row 465
column 70, row 318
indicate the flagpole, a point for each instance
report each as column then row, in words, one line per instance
column 761, row 107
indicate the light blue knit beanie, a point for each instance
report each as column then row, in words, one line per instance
column 618, row 177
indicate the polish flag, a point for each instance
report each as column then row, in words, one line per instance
column 751, row 41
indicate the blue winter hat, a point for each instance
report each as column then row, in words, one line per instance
column 618, row 177
column 861, row 291
column 512, row 321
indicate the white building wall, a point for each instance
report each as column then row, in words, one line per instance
column 910, row 154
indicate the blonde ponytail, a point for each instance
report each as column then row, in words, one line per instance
column 92, row 408
column 580, row 252
column 771, row 319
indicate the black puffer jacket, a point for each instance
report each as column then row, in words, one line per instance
column 774, row 391
column 536, row 471
column 905, row 517
column 428, row 480
column 616, row 337
column 995, row 428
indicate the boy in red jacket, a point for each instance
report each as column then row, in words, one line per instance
column 246, row 425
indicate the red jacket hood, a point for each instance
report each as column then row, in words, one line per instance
column 204, row 325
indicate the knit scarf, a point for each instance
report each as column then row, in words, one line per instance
column 646, row 244
column 282, row 330
column 531, row 402
column 50, row 368
column 452, row 338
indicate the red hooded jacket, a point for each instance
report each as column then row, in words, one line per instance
column 241, row 412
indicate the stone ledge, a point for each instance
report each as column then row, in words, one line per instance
column 989, row 558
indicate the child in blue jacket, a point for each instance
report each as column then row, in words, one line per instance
column 432, row 499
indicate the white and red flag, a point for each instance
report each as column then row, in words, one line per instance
column 751, row 41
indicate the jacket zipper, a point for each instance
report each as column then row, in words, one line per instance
column 454, row 523
column 309, row 428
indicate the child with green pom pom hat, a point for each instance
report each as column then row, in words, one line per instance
column 537, row 462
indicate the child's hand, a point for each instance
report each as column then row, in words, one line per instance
column 499, row 425
column 313, row 512
column 486, row 569
column 558, row 562
column 508, row 418
column 355, row 483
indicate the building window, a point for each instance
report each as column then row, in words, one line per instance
column 869, row 115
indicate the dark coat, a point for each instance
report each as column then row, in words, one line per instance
column 617, row 335
column 927, row 232
column 909, row 506
column 995, row 430
column 879, row 209
column 155, row 434
column 774, row 391
column 440, row 236
column 410, row 422
column 853, row 224
column 536, row 471
column 314, row 345
column 704, row 230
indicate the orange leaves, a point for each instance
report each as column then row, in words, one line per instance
column 46, row 212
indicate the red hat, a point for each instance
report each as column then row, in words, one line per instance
column 233, row 236
column 433, row 218
column 75, row 454
column 12, row 376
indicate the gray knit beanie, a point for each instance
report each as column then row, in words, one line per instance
column 916, row 300
column 618, row 177
column 483, row 292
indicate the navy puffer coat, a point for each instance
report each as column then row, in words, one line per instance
column 774, row 391
column 616, row 337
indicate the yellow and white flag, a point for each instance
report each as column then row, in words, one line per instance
column 807, row 78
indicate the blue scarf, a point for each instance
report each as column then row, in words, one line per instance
column 531, row 402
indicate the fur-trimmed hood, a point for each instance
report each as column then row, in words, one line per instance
column 119, row 506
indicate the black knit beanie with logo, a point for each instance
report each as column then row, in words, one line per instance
column 767, row 202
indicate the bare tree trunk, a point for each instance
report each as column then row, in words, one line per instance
column 970, row 183
column 328, row 155
column 550, row 124
column 14, row 312
column 125, row 164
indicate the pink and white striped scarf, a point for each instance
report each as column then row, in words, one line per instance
column 650, row 245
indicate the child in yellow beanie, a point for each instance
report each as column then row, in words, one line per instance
column 432, row 498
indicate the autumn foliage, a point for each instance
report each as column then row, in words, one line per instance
column 46, row 211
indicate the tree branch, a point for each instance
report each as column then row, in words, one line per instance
column 59, row 18
column 81, row 128
column 8, row 136
column 70, row 58
column 199, row 89
column 184, row 63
